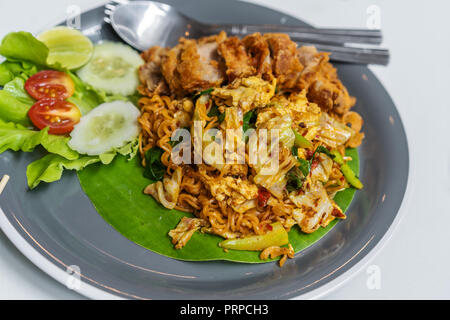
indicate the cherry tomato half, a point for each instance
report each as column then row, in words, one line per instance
column 50, row 84
column 59, row 115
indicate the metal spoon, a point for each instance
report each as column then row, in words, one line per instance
column 144, row 24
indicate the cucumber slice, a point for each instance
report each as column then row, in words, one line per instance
column 109, row 126
column 113, row 68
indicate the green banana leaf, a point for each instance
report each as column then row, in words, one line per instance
column 116, row 191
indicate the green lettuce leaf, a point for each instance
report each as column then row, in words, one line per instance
column 15, row 101
column 18, row 138
column 16, row 88
column 23, row 46
column 50, row 168
column 12, row 109
column 10, row 70
column 130, row 150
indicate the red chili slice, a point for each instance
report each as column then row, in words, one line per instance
column 263, row 197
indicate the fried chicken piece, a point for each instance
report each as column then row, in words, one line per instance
column 259, row 53
column 237, row 61
column 196, row 65
column 322, row 83
column 286, row 65
column 150, row 74
column 185, row 230
column 275, row 252
column 169, row 70
column 199, row 64
column 312, row 62
column 237, row 190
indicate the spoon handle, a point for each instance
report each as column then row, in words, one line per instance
column 334, row 36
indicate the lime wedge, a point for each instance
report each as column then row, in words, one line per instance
column 68, row 47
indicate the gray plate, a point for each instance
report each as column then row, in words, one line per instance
column 59, row 221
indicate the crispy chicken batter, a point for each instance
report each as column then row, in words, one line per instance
column 150, row 73
column 259, row 53
column 199, row 64
column 321, row 80
column 196, row 65
column 237, row 61
column 286, row 64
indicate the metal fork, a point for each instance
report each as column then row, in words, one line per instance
column 143, row 24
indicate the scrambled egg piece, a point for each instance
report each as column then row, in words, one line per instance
column 239, row 194
column 213, row 149
column 303, row 111
column 252, row 92
column 234, row 147
column 300, row 111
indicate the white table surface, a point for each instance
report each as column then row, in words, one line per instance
column 415, row 263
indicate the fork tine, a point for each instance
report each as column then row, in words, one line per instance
column 110, row 6
column 119, row 1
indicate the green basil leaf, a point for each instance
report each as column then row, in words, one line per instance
column 322, row 149
column 202, row 93
column 214, row 112
column 295, row 180
column 294, row 151
column 154, row 169
column 250, row 120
